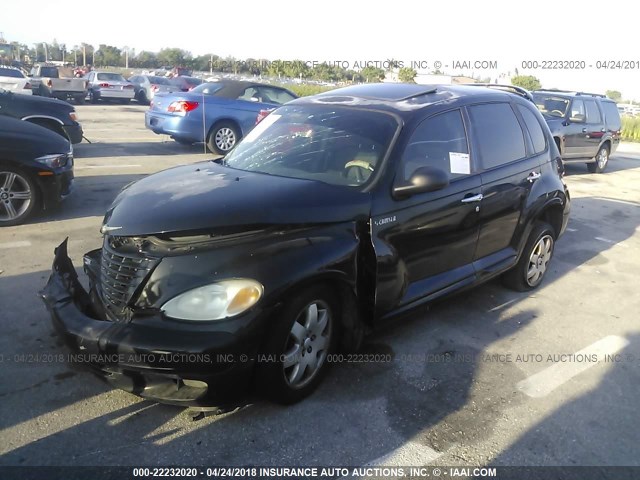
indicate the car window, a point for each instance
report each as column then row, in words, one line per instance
column 535, row 130
column 330, row 144
column 275, row 95
column 611, row 115
column 551, row 104
column 249, row 93
column 208, row 88
column 158, row 80
column 440, row 142
column 113, row 77
column 498, row 134
column 578, row 113
column 593, row 114
column 10, row 72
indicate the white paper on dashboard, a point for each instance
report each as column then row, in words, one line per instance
column 261, row 127
column 459, row 162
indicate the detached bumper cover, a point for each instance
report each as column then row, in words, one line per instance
column 175, row 365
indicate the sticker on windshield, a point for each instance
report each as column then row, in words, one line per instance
column 459, row 163
column 261, row 127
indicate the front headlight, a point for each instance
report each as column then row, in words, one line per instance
column 73, row 115
column 54, row 161
column 217, row 301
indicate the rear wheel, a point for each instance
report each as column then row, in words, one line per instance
column 299, row 343
column 93, row 96
column 534, row 261
column 223, row 137
column 602, row 159
column 18, row 196
column 142, row 98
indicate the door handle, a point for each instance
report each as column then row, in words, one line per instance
column 533, row 176
column 475, row 198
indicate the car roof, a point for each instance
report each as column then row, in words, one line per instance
column 571, row 94
column 235, row 88
column 405, row 99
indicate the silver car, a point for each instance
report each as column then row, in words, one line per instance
column 109, row 86
column 146, row 86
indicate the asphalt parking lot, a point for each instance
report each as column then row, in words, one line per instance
column 488, row 376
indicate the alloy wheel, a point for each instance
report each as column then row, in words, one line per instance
column 602, row 158
column 225, row 139
column 308, row 344
column 539, row 259
column 15, row 196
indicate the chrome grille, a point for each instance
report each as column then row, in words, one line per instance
column 120, row 276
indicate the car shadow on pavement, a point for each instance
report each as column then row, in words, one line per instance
column 422, row 385
column 599, row 428
column 618, row 162
column 136, row 149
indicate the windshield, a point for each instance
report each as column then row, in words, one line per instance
column 10, row 72
column 208, row 88
column 551, row 104
column 113, row 77
column 158, row 80
column 334, row 145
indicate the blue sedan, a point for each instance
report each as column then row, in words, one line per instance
column 228, row 108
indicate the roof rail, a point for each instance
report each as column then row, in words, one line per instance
column 508, row 88
column 419, row 94
column 577, row 94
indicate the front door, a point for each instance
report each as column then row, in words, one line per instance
column 425, row 244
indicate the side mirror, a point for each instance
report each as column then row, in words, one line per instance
column 424, row 179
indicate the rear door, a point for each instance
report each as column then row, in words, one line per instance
column 511, row 165
column 425, row 243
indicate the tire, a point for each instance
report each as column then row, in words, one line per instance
column 538, row 250
column 50, row 125
column 223, row 137
column 602, row 160
column 291, row 330
column 124, row 101
column 142, row 98
column 15, row 183
column 79, row 100
column 94, row 97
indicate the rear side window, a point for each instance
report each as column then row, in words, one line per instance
column 439, row 141
column 10, row 72
column 611, row 115
column 498, row 133
column 535, row 130
column 577, row 111
column 275, row 95
column 593, row 114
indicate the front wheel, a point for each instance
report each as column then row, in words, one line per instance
column 223, row 137
column 18, row 196
column 602, row 159
column 534, row 261
column 300, row 341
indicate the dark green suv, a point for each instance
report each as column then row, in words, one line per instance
column 585, row 126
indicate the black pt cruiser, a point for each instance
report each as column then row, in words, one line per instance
column 338, row 211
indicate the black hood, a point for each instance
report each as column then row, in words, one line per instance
column 22, row 140
column 36, row 101
column 206, row 196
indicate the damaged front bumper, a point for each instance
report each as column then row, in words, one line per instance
column 155, row 358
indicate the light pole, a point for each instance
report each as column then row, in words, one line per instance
column 46, row 52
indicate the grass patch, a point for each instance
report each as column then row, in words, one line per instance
column 304, row 89
column 631, row 129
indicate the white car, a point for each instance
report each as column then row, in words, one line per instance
column 14, row 80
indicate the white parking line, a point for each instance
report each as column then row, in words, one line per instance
column 572, row 229
column 610, row 242
column 106, row 166
column 408, row 454
column 543, row 383
column 21, row 243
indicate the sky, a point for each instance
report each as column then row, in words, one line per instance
column 508, row 33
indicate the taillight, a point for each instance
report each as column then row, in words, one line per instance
column 27, row 86
column 262, row 114
column 104, row 85
column 154, row 88
column 182, row 107
column 49, row 83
